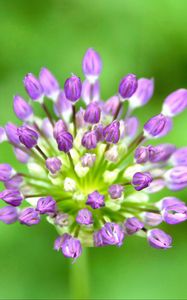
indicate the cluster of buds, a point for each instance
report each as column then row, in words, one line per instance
column 91, row 167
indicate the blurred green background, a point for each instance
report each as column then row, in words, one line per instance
column 146, row 37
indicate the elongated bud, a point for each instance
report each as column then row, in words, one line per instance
column 63, row 107
column 89, row 140
column 53, row 164
column 84, row 217
column 95, row 200
column 176, row 178
column 71, row 247
column 115, row 191
column 99, row 131
column 111, row 105
column 143, row 93
column 14, row 182
column 80, row 118
column 47, row 128
column 142, row 155
column 49, row 83
column 33, row 87
column 92, row 64
column 112, row 132
column 141, row 180
column 161, row 152
column 12, row 134
column 128, row 86
column 157, row 126
column 93, row 113
column 46, row 205
column 175, row 103
column 157, row 238
column 133, row 225
column 112, row 234
column 8, row 214
column 88, row 160
column 27, row 136
column 155, row 186
column 175, row 214
column 22, row 109
column 2, row 135
column 151, row 219
column 29, row 216
column 21, row 155
column 59, row 127
column 64, row 140
column 112, row 154
column 72, row 88
column 90, row 91
column 179, row 157
column 168, row 201
column 12, row 197
column 6, row 172
column 131, row 127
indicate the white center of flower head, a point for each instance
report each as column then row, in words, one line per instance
column 69, row 185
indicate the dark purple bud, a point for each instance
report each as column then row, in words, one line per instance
column 169, row 201
column 89, row 140
column 84, row 217
column 22, row 156
column 71, row 247
column 179, row 157
column 6, row 172
column 14, row 182
column 90, row 91
column 46, row 205
column 115, row 191
column 2, row 135
column 48, row 82
column 33, row 87
column 22, row 109
column 59, row 127
column 152, row 219
column 27, row 136
column 92, row 64
column 12, row 134
column 8, row 214
column 99, row 131
column 157, row 126
column 112, row 234
column 47, row 128
column 159, row 239
column 161, row 152
column 88, row 160
column 143, row 93
column 112, row 132
column 141, row 155
column 95, row 200
column 131, row 127
column 175, row 103
column 63, row 107
column 29, row 216
column 141, row 180
column 174, row 214
column 53, row 164
column 128, row 86
column 12, row 197
column 93, row 113
column 176, row 178
column 111, row 105
column 72, row 88
column 61, row 219
column 133, row 225
column 65, row 141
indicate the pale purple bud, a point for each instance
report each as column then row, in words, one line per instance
column 29, row 216
column 6, row 172
column 47, row 128
column 22, row 109
column 159, row 239
column 95, row 200
column 12, row 197
column 8, row 214
column 90, row 91
column 179, row 157
column 99, row 131
column 22, row 156
column 72, row 88
column 2, row 135
column 131, row 127
column 61, row 219
column 111, row 105
column 161, row 152
column 112, row 234
column 89, row 140
column 84, row 217
column 128, row 86
column 46, row 205
column 168, row 201
column 133, row 225
column 14, row 182
column 98, row 239
column 80, row 118
column 151, row 219
column 141, row 155
column 112, row 132
column 27, row 136
column 155, row 186
column 58, row 242
column 88, row 160
column 53, row 164
column 157, row 126
column 59, row 127
column 93, row 113
column 176, row 178
column 33, row 87
column 143, row 93
column 63, row 107
column 65, row 141
column 12, row 134
column 174, row 214
column 92, row 64
column 115, row 191
column 48, row 82
column 141, row 180
column 175, row 103
column 71, row 247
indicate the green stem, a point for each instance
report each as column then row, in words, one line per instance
column 79, row 277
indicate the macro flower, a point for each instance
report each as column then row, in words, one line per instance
column 89, row 166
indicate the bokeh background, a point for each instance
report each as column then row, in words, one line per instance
column 148, row 38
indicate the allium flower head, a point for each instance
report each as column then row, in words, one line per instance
column 90, row 165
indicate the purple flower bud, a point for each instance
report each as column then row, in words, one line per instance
column 159, row 239
column 29, row 216
column 112, row 234
column 111, row 105
column 22, row 109
column 12, row 197
column 169, row 201
column 128, row 86
column 142, row 155
column 175, row 103
column 84, row 217
column 98, row 239
column 61, row 219
column 161, row 152
column 59, row 127
column 11, row 132
column 21, row 155
column 99, row 131
column 48, row 82
column 71, row 247
column 80, row 118
column 133, row 225
column 141, row 180
column 63, row 107
column 157, row 126
column 92, row 64
column 53, row 164
column 72, row 88
column 115, row 191
column 27, row 136
column 175, row 214
column 95, row 200
column 89, row 140
column 88, row 160
column 90, row 91
column 131, row 127
column 155, row 186
column 8, row 214
column 47, row 128
column 64, row 140
column 33, row 87
column 46, row 205
column 6, row 172
column 14, row 182
column 112, row 132
column 143, row 93
column 93, row 113
column 176, row 178
column 152, row 219
column 179, row 157
column 58, row 242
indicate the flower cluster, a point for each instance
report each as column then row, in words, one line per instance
column 81, row 174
